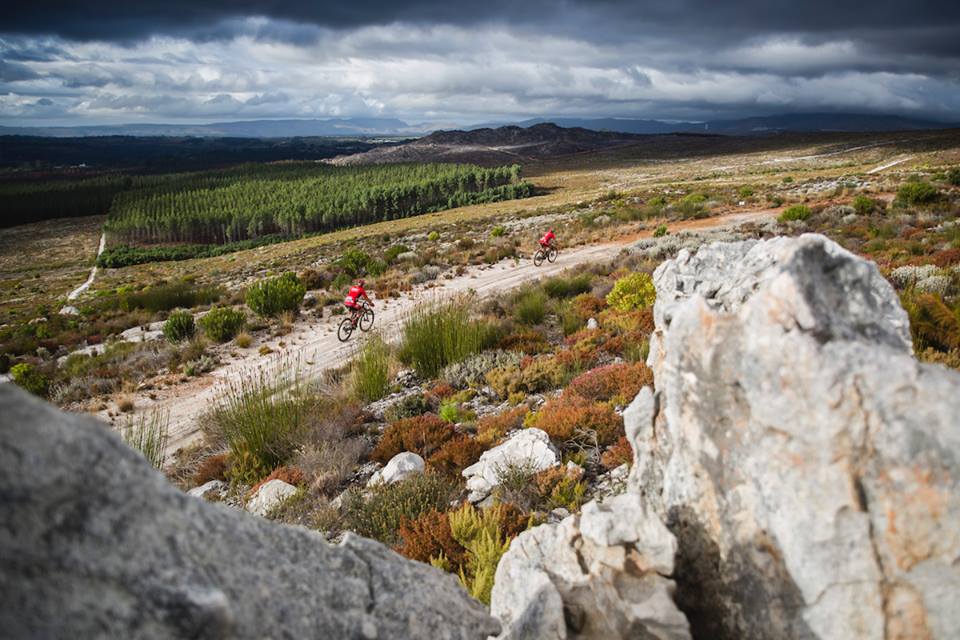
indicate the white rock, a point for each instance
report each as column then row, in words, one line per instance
column 270, row 495
column 212, row 490
column 527, row 447
column 401, row 466
column 593, row 324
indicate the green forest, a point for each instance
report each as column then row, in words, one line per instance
column 292, row 199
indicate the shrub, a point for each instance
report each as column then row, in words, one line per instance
column 149, row 435
column 243, row 340
column 492, row 428
column 356, row 263
column 435, row 336
column 796, row 212
column 567, row 287
column 370, row 373
column 433, row 236
column 415, row 404
column 530, row 306
column 619, row 453
column 179, row 326
column 450, row 411
column 212, row 468
column 530, row 342
column 332, row 444
column 541, row 374
column 634, row 291
column 273, row 296
column 572, row 418
column 953, row 176
column 560, row 487
column 455, row 455
column 422, row 435
column 588, row 305
column 660, row 231
column 390, row 255
column 379, row 515
column 164, row 297
column 745, row 192
column 916, row 193
column 481, row 534
column 498, row 231
column 29, row 378
column 223, row 323
column 618, row 383
column 428, row 536
column 864, row 205
column 290, row 475
column 260, row 417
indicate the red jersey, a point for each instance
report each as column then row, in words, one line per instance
column 547, row 238
column 354, row 295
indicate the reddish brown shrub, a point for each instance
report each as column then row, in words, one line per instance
column 617, row 382
column 529, row 342
column 492, row 428
column 573, row 417
column 620, row 452
column 427, row 537
column 422, row 435
column 290, row 475
column 212, row 468
column 456, row 455
column 442, row 390
column 513, row 520
column 946, row 257
column 588, row 305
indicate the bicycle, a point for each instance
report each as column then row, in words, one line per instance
column 360, row 317
column 549, row 254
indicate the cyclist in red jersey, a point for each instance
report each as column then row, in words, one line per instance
column 548, row 240
column 355, row 295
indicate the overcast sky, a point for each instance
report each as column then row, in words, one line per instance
column 116, row 61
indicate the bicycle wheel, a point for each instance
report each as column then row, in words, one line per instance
column 366, row 320
column 552, row 254
column 538, row 257
column 345, row 330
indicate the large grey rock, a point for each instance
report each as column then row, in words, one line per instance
column 530, row 448
column 805, row 461
column 600, row 575
column 269, row 496
column 400, row 467
column 96, row 544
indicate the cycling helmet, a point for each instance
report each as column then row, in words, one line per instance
column 361, row 282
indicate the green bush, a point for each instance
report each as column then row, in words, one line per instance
column 356, row 263
column 498, row 231
column 796, row 212
column 433, row 236
column 179, row 326
column 745, row 192
column 450, row 411
column 435, row 336
column 916, row 193
column 390, row 255
column 260, row 417
column 164, row 297
column 953, row 176
column 275, row 295
column 634, row 291
column 567, row 287
column 660, row 231
column 692, row 205
column 222, row 323
column 864, row 205
column 370, row 375
column 29, row 378
column 531, row 306
column 379, row 515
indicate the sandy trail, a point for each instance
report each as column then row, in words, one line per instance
column 312, row 347
column 887, row 165
column 73, row 295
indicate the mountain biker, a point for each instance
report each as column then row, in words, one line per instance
column 548, row 241
column 356, row 293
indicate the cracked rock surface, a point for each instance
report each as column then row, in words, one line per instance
column 96, row 544
column 805, row 461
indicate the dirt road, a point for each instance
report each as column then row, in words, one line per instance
column 314, row 346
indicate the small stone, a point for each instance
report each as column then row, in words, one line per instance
column 270, row 495
column 400, row 467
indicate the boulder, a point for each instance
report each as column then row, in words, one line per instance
column 97, row 544
column 269, row 495
column 600, row 575
column 529, row 447
column 212, row 490
column 805, row 461
column 401, row 466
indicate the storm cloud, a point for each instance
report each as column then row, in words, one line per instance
column 457, row 63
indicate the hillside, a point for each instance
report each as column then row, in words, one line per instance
column 495, row 146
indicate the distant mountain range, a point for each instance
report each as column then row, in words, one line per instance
column 371, row 127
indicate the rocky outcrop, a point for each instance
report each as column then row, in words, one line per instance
column 804, row 460
column 96, row 544
column 600, row 575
